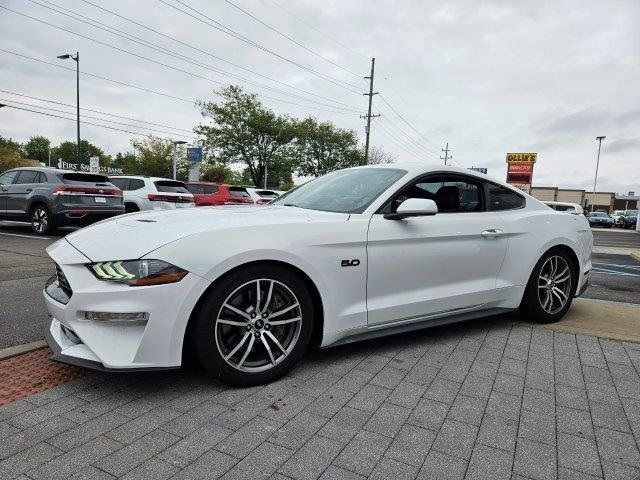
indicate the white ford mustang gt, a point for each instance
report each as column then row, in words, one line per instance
column 358, row 253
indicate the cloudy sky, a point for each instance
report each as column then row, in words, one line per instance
column 489, row 77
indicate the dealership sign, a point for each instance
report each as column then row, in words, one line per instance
column 520, row 169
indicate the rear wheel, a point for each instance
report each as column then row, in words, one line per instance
column 130, row 208
column 550, row 288
column 254, row 326
column 41, row 220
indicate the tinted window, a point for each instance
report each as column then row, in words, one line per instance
column 239, row 192
column 343, row 191
column 136, row 184
column 27, row 176
column 195, row 188
column 121, row 183
column 451, row 194
column 202, row 188
column 501, row 198
column 83, row 178
column 42, row 178
column 7, row 178
column 171, row 186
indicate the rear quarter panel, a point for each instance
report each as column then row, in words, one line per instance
column 531, row 232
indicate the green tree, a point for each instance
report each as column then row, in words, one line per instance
column 378, row 156
column 10, row 158
column 219, row 173
column 155, row 158
column 126, row 161
column 244, row 131
column 37, row 148
column 67, row 152
column 8, row 142
column 324, row 148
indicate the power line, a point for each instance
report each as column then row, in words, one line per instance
column 330, row 37
column 193, row 47
column 96, row 111
column 86, row 123
column 141, row 41
column 290, row 38
column 369, row 115
column 161, row 63
column 415, row 144
column 399, row 144
column 93, row 75
column 232, row 33
column 101, row 119
column 401, row 117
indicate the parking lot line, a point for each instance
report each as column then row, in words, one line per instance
column 25, row 236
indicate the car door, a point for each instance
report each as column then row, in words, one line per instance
column 18, row 193
column 439, row 265
column 6, row 179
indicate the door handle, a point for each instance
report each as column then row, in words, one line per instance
column 492, row 233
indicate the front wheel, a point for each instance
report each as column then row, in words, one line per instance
column 549, row 292
column 254, row 325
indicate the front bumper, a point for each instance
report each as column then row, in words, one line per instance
column 117, row 344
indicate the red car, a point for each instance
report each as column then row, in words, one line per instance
column 208, row 194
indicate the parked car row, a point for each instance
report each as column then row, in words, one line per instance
column 599, row 218
column 49, row 198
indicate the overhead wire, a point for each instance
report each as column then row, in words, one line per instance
column 133, row 38
column 100, row 119
column 95, row 111
column 208, row 53
column 85, row 123
column 228, row 31
column 290, row 38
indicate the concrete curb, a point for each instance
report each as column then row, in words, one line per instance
column 20, row 349
column 635, row 254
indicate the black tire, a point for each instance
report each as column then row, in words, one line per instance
column 532, row 307
column 130, row 208
column 207, row 334
column 41, row 220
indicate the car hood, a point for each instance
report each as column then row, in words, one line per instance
column 134, row 235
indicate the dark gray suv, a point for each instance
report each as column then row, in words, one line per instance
column 50, row 198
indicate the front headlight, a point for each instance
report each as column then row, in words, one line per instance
column 137, row 272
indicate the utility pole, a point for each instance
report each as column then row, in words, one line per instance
column 369, row 116
column 446, row 154
column 595, row 179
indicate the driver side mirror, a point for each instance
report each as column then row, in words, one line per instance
column 413, row 207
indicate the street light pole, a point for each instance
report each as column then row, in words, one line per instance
column 176, row 142
column 76, row 59
column 595, row 180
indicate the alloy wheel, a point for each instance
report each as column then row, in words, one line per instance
column 554, row 284
column 258, row 325
column 40, row 220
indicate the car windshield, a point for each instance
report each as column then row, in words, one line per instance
column 598, row 214
column 344, row 191
column 633, row 213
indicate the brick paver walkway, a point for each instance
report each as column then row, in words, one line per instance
column 480, row 400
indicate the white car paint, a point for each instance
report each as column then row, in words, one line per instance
column 422, row 269
column 140, row 196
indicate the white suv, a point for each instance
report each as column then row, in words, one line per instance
column 152, row 193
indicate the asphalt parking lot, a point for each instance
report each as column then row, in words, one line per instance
column 25, row 266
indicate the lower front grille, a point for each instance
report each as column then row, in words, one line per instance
column 63, row 282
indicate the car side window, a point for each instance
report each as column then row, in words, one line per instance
column 501, row 198
column 27, row 176
column 7, row 178
column 136, row 184
column 452, row 193
column 121, row 183
column 41, row 178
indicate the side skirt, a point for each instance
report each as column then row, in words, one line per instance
column 367, row 333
